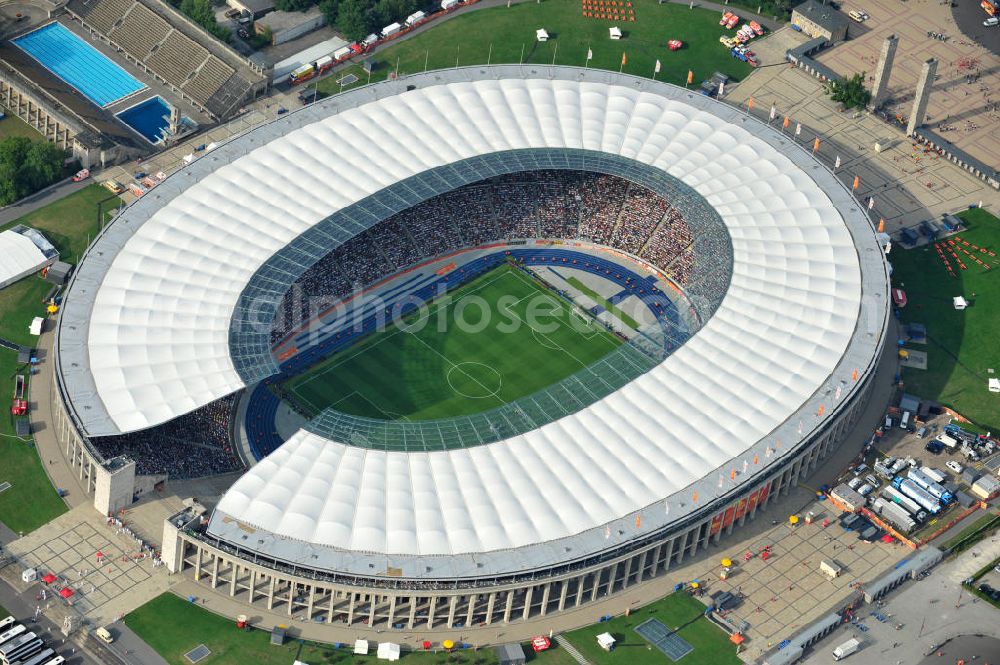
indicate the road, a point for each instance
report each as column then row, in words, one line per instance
column 41, row 199
column 970, row 16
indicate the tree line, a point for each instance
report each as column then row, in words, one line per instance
column 27, row 166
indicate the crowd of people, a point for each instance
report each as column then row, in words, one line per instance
column 192, row 446
column 604, row 209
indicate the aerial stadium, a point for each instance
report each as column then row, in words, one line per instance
column 715, row 305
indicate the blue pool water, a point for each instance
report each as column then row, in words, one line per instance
column 79, row 64
column 148, row 118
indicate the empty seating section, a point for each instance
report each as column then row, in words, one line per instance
column 542, row 204
column 228, row 96
column 140, row 32
column 102, row 14
column 177, row 58
column 212, row 75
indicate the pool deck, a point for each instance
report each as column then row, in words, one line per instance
column 102, row 120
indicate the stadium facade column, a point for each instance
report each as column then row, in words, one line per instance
column 646, row 556
column 490, row 603
column 291, row 596
column 526, row 612
column 371, row 609
column 472, row 608
column 392, row 610
column 546, row 592
column 197, row 563
column 329, row 611
column 452, row 604
column 430, row 611
column 234, row 571
column 311, row 602
column 253, row 584
column 270, row 593
column 580, row 583
column 694, row 541
column 563, row 592
column 350, row 609
column 412, row 623
column 670, row 544
column 509, row 607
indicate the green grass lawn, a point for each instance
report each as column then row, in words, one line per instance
column 529, row 339
column 961, row 346
column 31, row 501
column 678, row 610
column 501, row 34
column 71, row 222
column 964, row 537
column 11, row 125
column 599, row 299
column 173, row 626
column 19, row 304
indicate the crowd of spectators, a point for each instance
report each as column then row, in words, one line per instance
column 192, row 446
column 554, row 204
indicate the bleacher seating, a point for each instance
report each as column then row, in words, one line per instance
column 209, row 78
column 228, row 96
column 101, row 14
column 140, row 32
column 545, row 204
column 177, row 58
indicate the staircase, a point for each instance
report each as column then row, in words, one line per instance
column 571, row 650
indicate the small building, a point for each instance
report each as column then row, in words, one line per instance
column 254, row 8
column 986, row 487
column 23, row 251
column 541, row 35
column 286, row 26
column 909, row 403
column 387, row 651
column 845, row 498
column 959, row 303
column 58, row 273
column 510, row 654
column 24, row 355
column 615, row 32
column 818, row 20
column 606, row 641
column 36, row 326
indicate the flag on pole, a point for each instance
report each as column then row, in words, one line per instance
column 881, row 225
column 871, row 203
column 839, row 391
column 590, row 54
column 750, row 104
column 836, row 164
column 857, row 181
column 690, row 77
column 638, row 521
column 656, row 70
column 854, row 375
column 819, row 412
column 774, row 112
column 784, row 124
column 607, row 532
column 816, row 144
column 798, row 128
column 623, row 59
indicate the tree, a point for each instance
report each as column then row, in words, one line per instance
column 27, row 166
column 850, row 92
column 329, row 9
column 202, row 13
column 355, row 18
column 390, row 11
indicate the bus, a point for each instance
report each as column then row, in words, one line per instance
column 40, row 658
column 58, row 660
column 24, row 645
column 11, row 633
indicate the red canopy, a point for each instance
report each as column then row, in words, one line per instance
column 427, row 644
column 65, row 592
column 48, row 578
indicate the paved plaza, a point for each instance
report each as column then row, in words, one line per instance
column 908, row 184
column 964, row 105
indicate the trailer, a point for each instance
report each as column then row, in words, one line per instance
column 391, row 29
column 415, row 18
column 895, row 514
column 933, row 474
column 932, row 487
column 918, row 494
column 846, row 649
column 897, row 497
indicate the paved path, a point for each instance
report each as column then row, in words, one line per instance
column 40, row 199
column 130, row 648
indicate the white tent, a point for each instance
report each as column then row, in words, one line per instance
column 361, row 647
column 541, row 35
column 606, row 641
column 29, row 575
column 23, row 251
column 994, row 385
column 36, row 326
column 188, row 158
column 388, row 651
column 615, row 32
column 959, row 302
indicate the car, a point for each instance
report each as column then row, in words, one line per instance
column 728, row 42
column 81, row 175
column 991, row 21
column 113, row 186
column 954, row 466
column 139, row 175
column 854, row 482
column 872, row 480
column 859, row 469
column 243, row 34
column 934, row 447
column 725, row 18
column 865, row 489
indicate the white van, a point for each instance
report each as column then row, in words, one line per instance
column 904, row 422
column 104, row 635
column 993, row 20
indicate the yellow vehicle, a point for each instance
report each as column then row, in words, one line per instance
column 104, row 635
column 113, row 186
column 728, row 42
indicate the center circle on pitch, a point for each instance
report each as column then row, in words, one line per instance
column 475, row 380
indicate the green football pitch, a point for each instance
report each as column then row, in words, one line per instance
column 500, row 337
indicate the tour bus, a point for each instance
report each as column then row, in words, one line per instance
column 27, row 644
column 40, row 658
column 10, row 633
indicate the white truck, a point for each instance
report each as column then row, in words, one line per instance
column 846, row 649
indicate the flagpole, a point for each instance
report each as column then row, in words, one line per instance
column 458, row 52
column 554, row 51
column 586, row 63
column 521, row 61
column 427, row 57
column 490, row 56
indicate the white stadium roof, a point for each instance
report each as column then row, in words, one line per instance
column 157, row 338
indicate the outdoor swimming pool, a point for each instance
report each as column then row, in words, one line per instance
column 79, row 64
column 149, row 118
